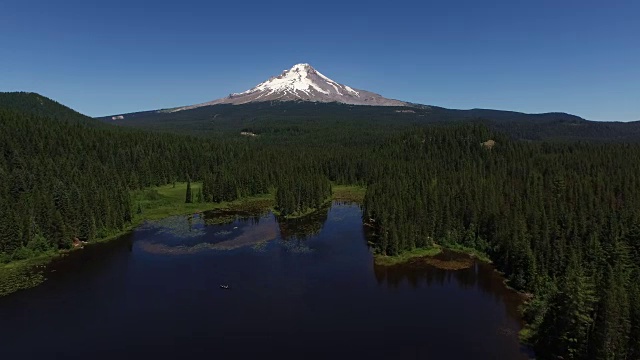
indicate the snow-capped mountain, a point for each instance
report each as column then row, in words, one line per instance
column 302, row 83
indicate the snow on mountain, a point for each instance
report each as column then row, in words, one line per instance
column 302, row 83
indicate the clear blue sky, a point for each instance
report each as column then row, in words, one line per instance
column 110, row 57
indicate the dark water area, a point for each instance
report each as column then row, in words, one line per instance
column 304, row 289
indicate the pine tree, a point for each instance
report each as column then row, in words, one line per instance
column 564, row 330
column 611, row 330
column 633, row 346
column 188, row 198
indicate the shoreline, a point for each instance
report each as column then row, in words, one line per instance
column 165, row 201
column 341, row 193
column 525, row 332
column 24, row 274
column 406, row 256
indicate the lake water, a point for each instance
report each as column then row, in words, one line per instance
column 297, row 290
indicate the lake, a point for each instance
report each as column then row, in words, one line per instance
column 305, row 289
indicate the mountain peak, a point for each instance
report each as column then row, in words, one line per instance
column 302, row 69
column 302, row 83
column 301, row 66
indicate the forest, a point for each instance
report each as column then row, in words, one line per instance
column 296, row 118
column 561, row 220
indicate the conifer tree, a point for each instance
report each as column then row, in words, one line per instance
column 188, row 197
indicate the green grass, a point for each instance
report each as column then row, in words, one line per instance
column 164, row 201
column 298, row 215
column 23, row 274
column 155, row 203
column 469, row 251
column 350, row 193
column 295, row 215
column 160, row 202
column 405, row 256
column 525, row 334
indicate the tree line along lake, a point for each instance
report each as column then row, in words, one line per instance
column 296, row 288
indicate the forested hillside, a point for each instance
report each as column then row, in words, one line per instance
column 66, row 179
column 224, row 119
column 561, row 220
column 38, row 105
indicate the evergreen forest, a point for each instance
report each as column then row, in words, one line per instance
column 560, row 219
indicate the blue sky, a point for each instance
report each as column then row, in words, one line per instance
column 110, row 57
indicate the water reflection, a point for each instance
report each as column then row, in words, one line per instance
column 305, row 227
column 178, row 226
column 478, row 276
column 214, row 230
column 312, row 286
column 222, row 217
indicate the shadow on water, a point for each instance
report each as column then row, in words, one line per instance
column 304, row 227
column 451, row 267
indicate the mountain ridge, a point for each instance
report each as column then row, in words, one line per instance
column 39, row 105
column 229, row 119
